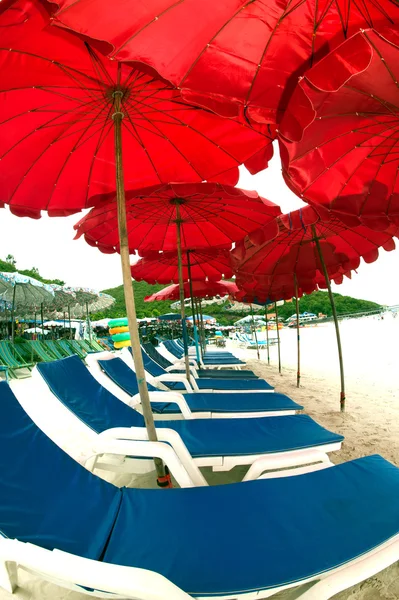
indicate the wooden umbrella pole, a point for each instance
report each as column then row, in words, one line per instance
column 181, row 288
column 278, row 338
column 267, row 336
column 13, row 313
column 193, row 308
column 202, row 325
column 254, row 330
column 335, row 316
column 127, row 281
column 88, row 320
column 69, row 319
column 41, row 315
column 298, row 337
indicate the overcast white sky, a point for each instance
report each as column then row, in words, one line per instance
column 48, row 244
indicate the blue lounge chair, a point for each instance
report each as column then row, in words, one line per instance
column 221, row 443
column 154, row 353
column 178, row 381
column 198, row 404
column 217, row 359
column 89, row 536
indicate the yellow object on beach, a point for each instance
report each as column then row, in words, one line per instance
column 118, row 330
column 122, row 344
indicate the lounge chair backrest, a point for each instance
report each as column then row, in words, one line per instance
column 7, row 356
column 171, row 346
column 151, row 366
column 121, row 374
column 157, row 356
column 35, row 474
column 78, row 390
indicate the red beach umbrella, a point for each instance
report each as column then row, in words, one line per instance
column 233, row 56
column 302, row 249
column 68, row 113
column 178, row 217
column 339, row 137
column 200, row 289
column 198, row 265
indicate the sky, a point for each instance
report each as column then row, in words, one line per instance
column 48, row 244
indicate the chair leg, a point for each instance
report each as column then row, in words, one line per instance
column 8, row 576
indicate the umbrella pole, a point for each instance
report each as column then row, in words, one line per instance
column 181, row 288
column 88, row 320
column 254, row 330
column 35, row 322
column 193, row 308
column 41, row 315
column 267, row 336
column 278, row 338
column 69, row 319
column 127, row 282
column 334, row 310
column 197, row 318
column 298, row 374
column 202, row 325
column 13, row 313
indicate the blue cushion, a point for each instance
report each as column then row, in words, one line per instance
column 125, row 378
column 46, row 498
column 73, row 384
column 205, row 384
column 253, row 536
column 244, row 437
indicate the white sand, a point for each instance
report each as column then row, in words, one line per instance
column 370, row 425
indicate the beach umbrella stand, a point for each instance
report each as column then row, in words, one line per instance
column 178, row 221
column 254, row 330
column 298, row 335
column 88, row 320
column 193, row 308
column 267, row 336
column 163, row 478
column 13, row 313
column 278, row 339
column 335, row 317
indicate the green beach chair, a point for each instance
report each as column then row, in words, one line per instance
column 11, row 358
column 40, row 351
column 65, row 348
column 53, row 349
column 85, row 346
column 77, row 349
column 97, row 347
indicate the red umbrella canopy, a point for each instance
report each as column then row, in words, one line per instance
column 202, row 265
column 201, row 289
column 57, row 98
column 340, row 135
column 232, row 56
column 211, row 215
column 273, row 255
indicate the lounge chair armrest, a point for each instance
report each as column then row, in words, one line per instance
column 170, row 436
column 128, row 582
column 169, row 397
column 144, row 449
column 290, row 461
column 178, row 377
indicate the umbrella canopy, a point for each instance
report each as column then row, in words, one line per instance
column 200, row 289
column 339, row 140
column 57, row 98
column 233, row 56
column 98, row 303
column 210, row 214
column 170, row 317
column 63, row 296
column 37, row 330
column 198, row 265
column 24, row 291
column 268, row 258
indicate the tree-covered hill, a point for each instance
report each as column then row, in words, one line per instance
column 318, row 302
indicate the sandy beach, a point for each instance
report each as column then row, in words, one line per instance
column 370, row 424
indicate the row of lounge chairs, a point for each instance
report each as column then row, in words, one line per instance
column 17, row 360
column 298, row 521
